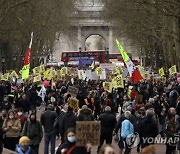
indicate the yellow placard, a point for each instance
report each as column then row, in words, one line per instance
column 5, row 77
column 73, row 103
column 14, row 74
column 173, row 70
column 64, row 71
column 37, row 78
column 161, row 71
column 107, row 86
column 98, row 71
column 42, row 69
column 48, row 74
column 36, row 70
column 118, row 82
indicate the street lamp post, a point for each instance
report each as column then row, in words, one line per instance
column 80, row 51
column 3, row 60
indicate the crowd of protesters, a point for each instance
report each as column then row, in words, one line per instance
column 120, row 112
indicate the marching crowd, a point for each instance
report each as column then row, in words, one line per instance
column 146, row 108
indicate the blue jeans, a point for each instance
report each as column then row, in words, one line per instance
column 49, row 137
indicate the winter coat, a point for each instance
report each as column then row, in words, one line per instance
column 19, row 150
column 85, row 115
column 148, row 128
column 24, row 104
column 68, row 121
column 1, row 130
column 127, row 128
column 34, row 131
column 108, row 122
column 47, row 120
column 68, row 145
column 13, row 127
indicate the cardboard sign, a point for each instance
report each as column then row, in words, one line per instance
column 73, row 91
column 138, row 98
column 87, row 132
column 73, row 103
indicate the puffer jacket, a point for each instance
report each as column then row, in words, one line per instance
column 85, row 113
column 12, row 127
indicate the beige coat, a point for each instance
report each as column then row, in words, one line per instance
column 12, row 127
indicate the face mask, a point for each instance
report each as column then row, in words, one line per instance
column 71, row 139
column 19, row 113
column 11, row 117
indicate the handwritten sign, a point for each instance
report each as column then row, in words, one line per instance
column 73, row 103
column 73, row 91
column 87, row 132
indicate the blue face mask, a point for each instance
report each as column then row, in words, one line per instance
column 72, row 139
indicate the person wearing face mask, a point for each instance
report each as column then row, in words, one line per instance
column 23, row 147
column 11, row 127
column 68, row 147
column 20, row 116
column 33, row 130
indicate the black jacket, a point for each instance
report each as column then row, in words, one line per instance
column 108, row 122
column 24, row 104
column 148, row 128
column 47, row 120
column 1, row 131
column 77, row 150
column 68, row 121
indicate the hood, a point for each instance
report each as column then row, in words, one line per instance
column 85, row 111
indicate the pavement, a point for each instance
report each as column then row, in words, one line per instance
column 160, row 148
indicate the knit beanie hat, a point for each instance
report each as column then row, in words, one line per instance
column 24, row 139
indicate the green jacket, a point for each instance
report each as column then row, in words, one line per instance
column 34, row 131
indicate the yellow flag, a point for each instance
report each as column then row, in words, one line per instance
column 48, row 74
column 64, row 71
column 161, row 71
column 36, row 70
column 93, row 65
column 98, row 71
column 37, row 78
column 14, row 74
column 118, row 82
column 42, row 68
column 107, row 86
column 173, row 70
column 5, row 77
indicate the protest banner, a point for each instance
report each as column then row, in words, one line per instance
column 73, row 91
column 109, row 66
column 107, row 86
column 73, row 103
column 173, row 70
column 87, row 132
column 161, row 71
column 64, row 70
column 36, row 70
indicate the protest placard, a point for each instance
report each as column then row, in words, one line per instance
column 87, row 132
column 73, row 91
column 73, row 103
column 138, row 98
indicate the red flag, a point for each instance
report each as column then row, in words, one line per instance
column 136, row 76
column 28, row 53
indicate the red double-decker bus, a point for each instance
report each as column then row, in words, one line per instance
column 115, row 57
column 96, row 55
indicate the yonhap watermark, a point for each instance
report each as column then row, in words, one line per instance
column 161, row 140
column 133, row 140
